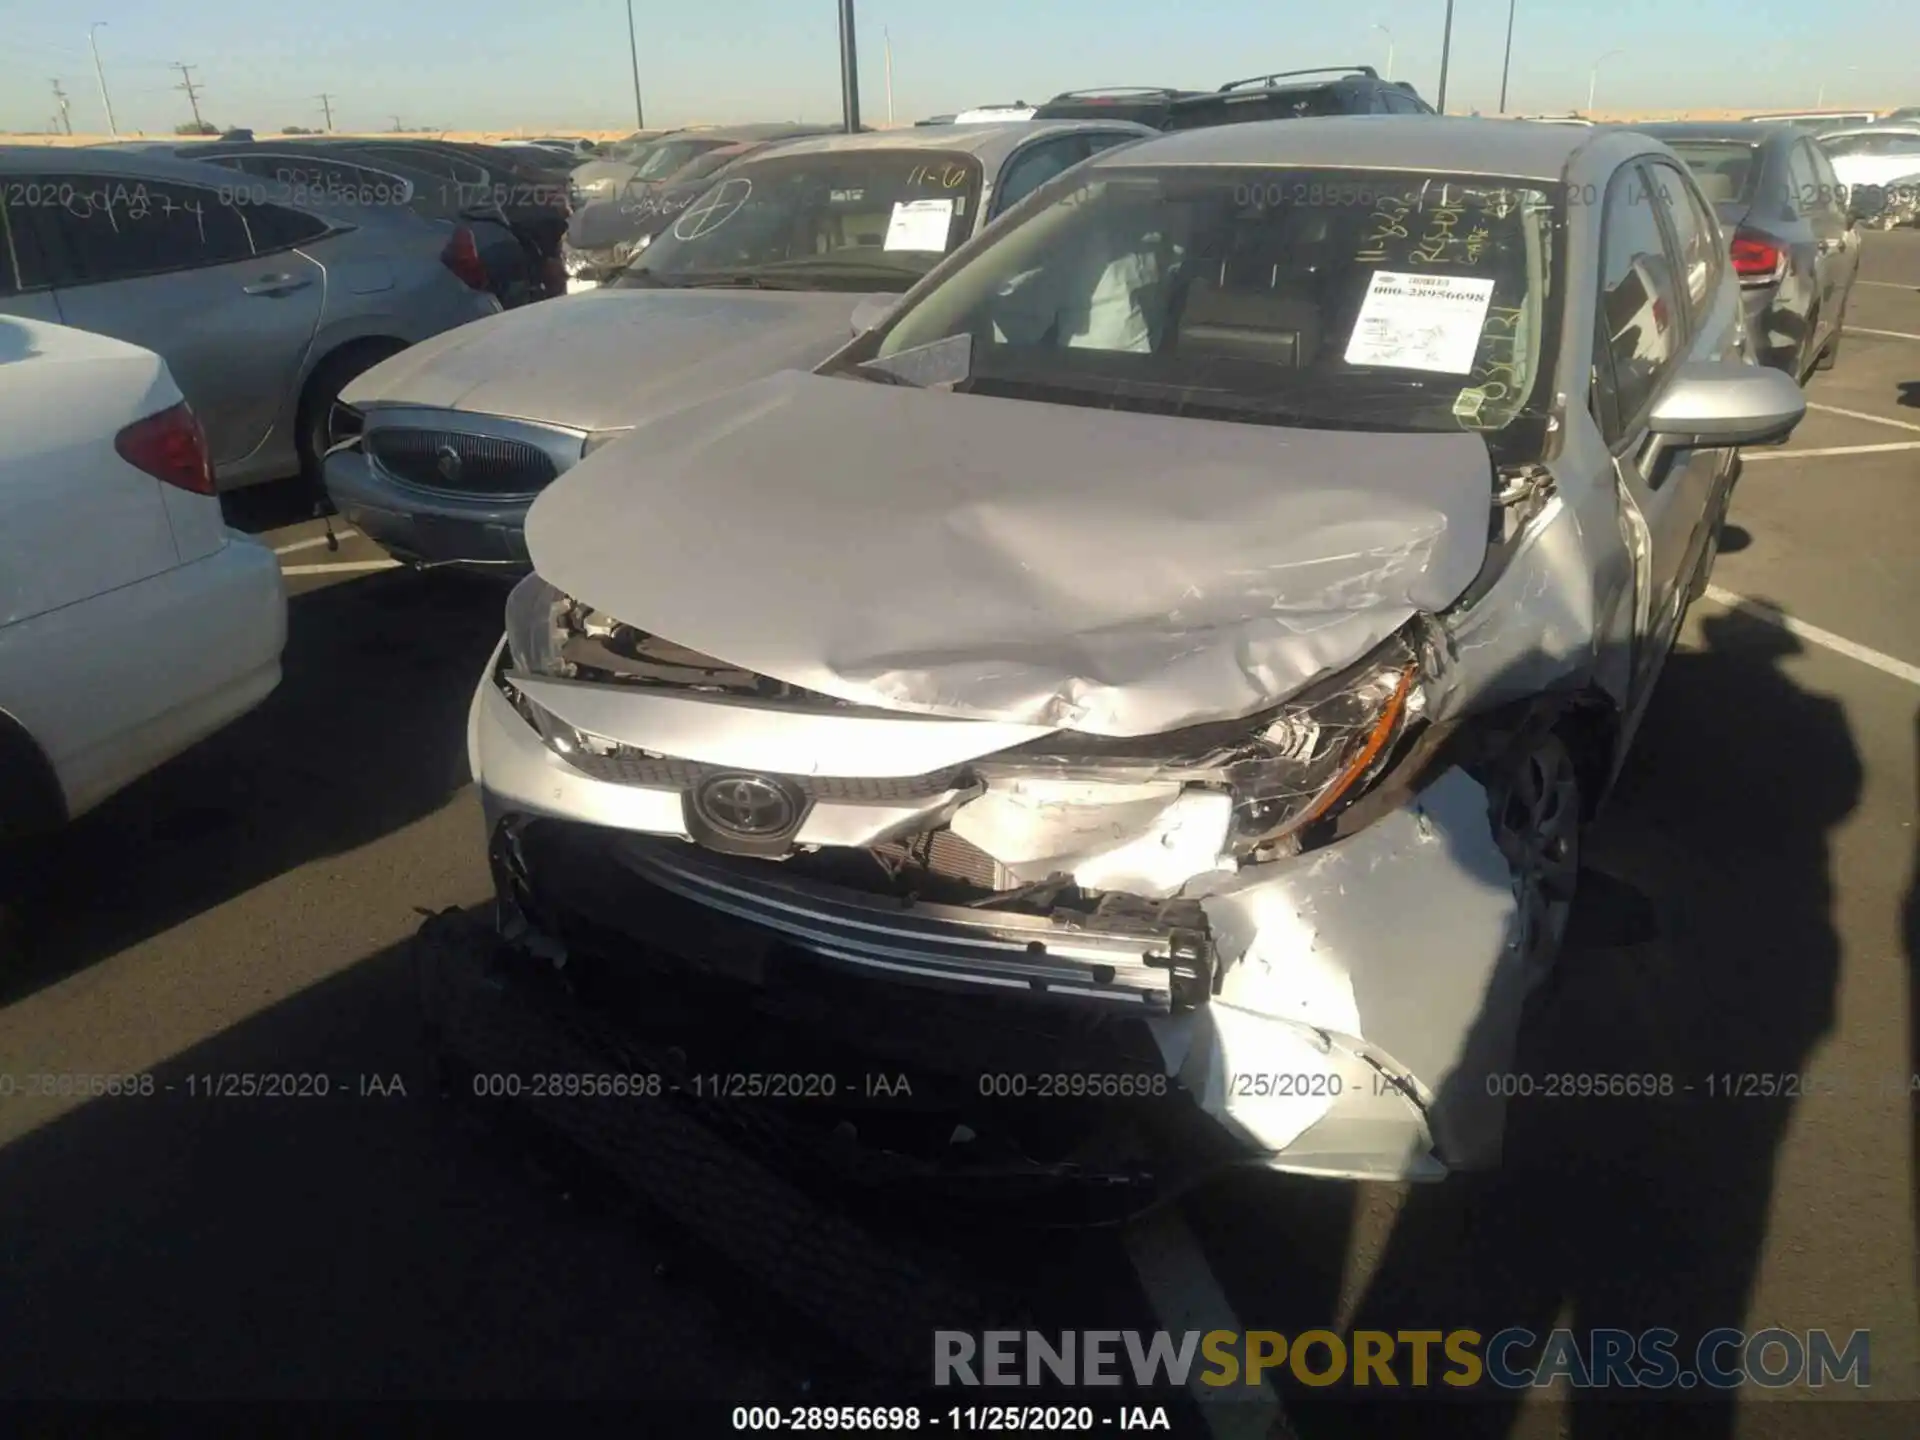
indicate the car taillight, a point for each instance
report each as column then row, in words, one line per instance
column 462, row 257
column 1757, row 261
column 171, row 447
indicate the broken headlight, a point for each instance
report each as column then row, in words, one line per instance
column 1284, row 768
column 536, row 614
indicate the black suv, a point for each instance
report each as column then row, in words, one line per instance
column 1288, row 95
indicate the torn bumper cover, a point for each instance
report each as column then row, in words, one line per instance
column 1337, row 1011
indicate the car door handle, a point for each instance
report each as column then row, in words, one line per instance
column 276, row 285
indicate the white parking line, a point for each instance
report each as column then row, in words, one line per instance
column 347, row 567
column 313, row 544
column 1861, row 415
column 1888, row 284
column 1814, row 635
column 1890, row 334
column 1185, row 1296
column 1750, row 456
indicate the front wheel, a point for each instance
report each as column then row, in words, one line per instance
column 1537, row 818
column 316, row 425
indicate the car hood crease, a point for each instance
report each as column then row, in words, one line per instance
column 997, row 559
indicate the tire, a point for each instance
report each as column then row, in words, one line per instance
column 330, row 377
column 1535, row 804
column 1829, row 355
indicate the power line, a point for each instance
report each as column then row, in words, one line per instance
column 186, row 84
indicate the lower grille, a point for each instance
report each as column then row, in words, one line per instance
column 461, row 464
column 667, row 772
column 945, row 853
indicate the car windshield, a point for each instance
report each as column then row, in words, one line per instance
column 1728, row 170
column 669, row 155
column 1326, row 298
column 862, row 219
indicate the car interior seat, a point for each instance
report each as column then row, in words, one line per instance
column 1261, row 300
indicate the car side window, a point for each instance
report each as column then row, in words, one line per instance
column 1697, row 249
column 1803, row 181
column 1036, row 165
column 1830, row 187
column 1640, row 303
column 23, row 266
column 114, row 228
column 280, row 227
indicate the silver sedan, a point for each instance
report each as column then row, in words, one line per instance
column 263, row 301
column 791, row 251
column 1191, row 632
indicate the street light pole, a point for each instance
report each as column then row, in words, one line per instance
column 1506, row 64
column 93, row 41
column 1593, row 79
column 633, row 52
column 1389, row 34
column 849, row 70
column 1446, row 51
column 887, row 36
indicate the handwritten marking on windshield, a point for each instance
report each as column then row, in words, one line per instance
column 715, row 209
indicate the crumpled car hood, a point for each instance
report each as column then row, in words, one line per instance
column 996, row 559
column 609, row 358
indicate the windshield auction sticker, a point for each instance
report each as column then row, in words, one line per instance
column 920, row 225
column 1421, row 322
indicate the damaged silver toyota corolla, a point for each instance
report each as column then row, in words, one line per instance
column 1201, row 617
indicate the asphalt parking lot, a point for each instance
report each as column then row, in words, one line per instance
column 1753, row 906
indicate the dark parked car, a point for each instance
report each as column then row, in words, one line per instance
column 1141, row 104
column 1286, row 95
column 532, row 197
column 1794, row 238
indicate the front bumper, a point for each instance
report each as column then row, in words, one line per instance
column 418, row 527
column 1359, row 1001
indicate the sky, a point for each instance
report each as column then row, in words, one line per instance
column 559, row 64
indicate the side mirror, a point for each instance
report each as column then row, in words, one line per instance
column 871, row 311
column 1721, row 403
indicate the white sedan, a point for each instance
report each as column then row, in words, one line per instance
column 132, row 621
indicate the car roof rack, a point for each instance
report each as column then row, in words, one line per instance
column 1265, row 82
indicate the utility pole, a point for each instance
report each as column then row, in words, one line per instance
column 1507, row 63
column 396, row 124
column 186, row 84
column 887, row 36
column 1446, row 50
column 93, row 31
column 849, row 70
column 633, row 53
column 326, row 104
column 60, row 98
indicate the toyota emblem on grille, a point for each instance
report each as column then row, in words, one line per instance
column 750, row 806
column 447, row 461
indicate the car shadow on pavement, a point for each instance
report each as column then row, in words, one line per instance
column 1910, row 392
column 358, row 1244
column 257, row 509
column 366, row 733
column 1706, row 948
